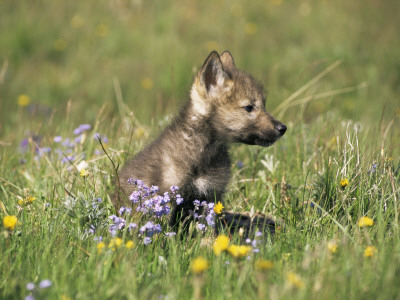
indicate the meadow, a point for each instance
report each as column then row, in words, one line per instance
column 86, row 84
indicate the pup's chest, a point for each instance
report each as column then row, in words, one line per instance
column 212, row 179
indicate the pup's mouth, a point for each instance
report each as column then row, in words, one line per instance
column 264, row 143
column 257, row 140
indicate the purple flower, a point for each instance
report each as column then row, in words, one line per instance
column 150, row 228
column 239, row 164
column 167, row 210
column 373, row 168
column 119, row 223
column 132, row 226
column 210, row 219
column 134, row 197
column 95, row 202
column 131, row 181
column 92, row 229
column 174, row 189
column 146, row 240
column 82, row 128
column 112, row 217
column 29, row 297
column 139, row 183
column 149, row 225
column 57, row 139
column 42, row 151
column 23, row 146
column 166, row 198
column 124, row 210
column 68, row 158
column 259, row 233
column 78, row 139
column 45, row 284
column 248, row 241
column 169, row 234
column 30, row 286
column 98, row 239
column 196, row 204
column 201, row 227
column 179, row 199
column 154, row 189
column 103, row 138
column 67, row 143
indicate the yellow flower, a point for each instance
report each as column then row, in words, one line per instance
column 9, row 222
column 239, row 251
column 365, row 221
column 295, row 280
column 221, row 243
column 199, row 265
column 147, row 83
column 251, row 28
column 332, row 247
column 344, row 182
column 139, row 132
column 60, row 45
column 218, row 208
column 77, row 21
column 115, row 243
column 30, row 199
column 276, row 2
column 84, row 173
column 100, row 246
column 23, row 100
column 264, row 264
column 102, row 30
column 370, row 251
column 129, row 244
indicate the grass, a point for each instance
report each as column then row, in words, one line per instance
column 332, row 74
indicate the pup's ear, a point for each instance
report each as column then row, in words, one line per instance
column 212, row 73
column 227, row 61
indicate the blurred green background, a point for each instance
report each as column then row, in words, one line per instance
column 87, row 52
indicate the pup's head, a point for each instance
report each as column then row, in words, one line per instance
column 234, row 103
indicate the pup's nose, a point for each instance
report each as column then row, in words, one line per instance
column 281, row 128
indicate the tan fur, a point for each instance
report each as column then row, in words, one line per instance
column 226, row 106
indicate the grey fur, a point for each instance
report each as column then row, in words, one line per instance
column 192, row 152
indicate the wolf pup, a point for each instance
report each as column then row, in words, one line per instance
column 226, row 106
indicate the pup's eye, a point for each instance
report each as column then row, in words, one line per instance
column 248, row 108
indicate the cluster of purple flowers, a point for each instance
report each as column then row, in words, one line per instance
column 151, row 206
column 149, row 202
column 66, row 148
column 256, row 242
column 34, row 291
column 204, row 215
column 119, row 223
